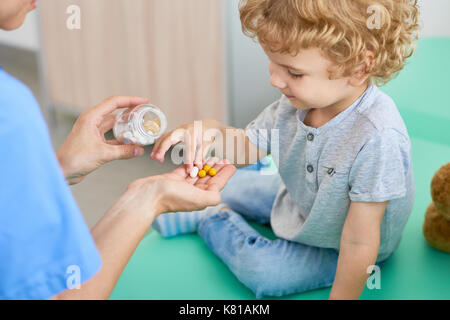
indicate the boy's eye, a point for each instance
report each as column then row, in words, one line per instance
column 295, row 75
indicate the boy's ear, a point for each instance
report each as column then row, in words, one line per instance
column 363, row 73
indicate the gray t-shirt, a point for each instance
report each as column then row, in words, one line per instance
column 363, row 154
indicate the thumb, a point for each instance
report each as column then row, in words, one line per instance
column 125, row 152
column 209, row 198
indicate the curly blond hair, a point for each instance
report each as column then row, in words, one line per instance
column 343, row 29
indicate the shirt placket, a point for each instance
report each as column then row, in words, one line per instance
column 311, row 150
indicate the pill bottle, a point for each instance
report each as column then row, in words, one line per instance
column 141, row 125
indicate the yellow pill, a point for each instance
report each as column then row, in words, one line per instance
column 202, row 173
column 212, row 172
column 206, row 168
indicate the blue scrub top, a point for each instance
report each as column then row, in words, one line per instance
column 45, row 245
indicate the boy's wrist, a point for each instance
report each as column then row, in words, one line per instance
column 351, row 273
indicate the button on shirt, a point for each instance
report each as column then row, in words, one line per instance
column 363, row 154
column 45, row 245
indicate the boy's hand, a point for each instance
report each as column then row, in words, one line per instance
column 197, row 139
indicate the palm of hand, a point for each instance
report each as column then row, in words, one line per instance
column 183, row 191
column 216, row 183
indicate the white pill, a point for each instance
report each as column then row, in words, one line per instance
column 194, row 172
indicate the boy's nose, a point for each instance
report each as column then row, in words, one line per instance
column 277, row 82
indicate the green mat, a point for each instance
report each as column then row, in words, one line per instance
column 184, row 268
column 422, row 91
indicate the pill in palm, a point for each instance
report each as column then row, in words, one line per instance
column 194, row 172
column 212, row 172
column 202, row 173
column 206, row 168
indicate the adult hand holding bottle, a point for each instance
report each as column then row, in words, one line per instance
column 86, row 148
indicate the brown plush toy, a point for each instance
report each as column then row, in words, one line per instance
column 436, row 227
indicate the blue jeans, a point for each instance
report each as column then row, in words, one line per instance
column 268, row 268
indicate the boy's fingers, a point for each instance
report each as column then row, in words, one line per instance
column 198, row 161
column 159, row 152
column 166, row 141
column 212, row 162
column 189, row 168
column 165, row 145
column 206, row 151
column 189, row 150
column 157, row 145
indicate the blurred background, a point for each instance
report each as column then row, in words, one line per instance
column 189, row 57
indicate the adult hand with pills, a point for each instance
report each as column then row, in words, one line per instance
column 207, row 170
column 178, row 191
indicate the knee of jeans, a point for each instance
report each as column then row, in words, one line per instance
column 258, row 270
column 274, row 282
column 208, row 219
column 262, row 281
column 263, row 272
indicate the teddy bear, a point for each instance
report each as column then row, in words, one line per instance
column 436, row 227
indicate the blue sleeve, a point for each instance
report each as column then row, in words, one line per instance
column 45, row 245
column 380, row 169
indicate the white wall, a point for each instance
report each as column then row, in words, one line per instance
column 435, row 17
column 434, row 14
column 248, row 73
column 26, row 37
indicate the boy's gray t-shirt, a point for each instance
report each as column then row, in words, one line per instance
column 363, row 154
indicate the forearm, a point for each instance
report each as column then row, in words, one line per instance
column 351, row 274
column 117, row 236
column 235, row 146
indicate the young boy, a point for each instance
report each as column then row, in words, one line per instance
column 344, row 156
